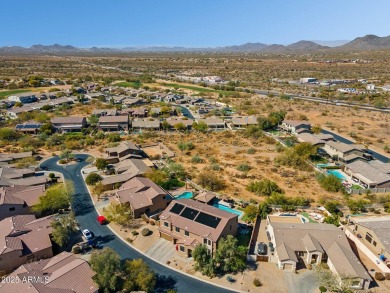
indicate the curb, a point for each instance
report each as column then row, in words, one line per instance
column 145, row 255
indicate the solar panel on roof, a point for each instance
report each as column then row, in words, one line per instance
column 177, row 208
column 208, row 220
column 19, row 126
column 189, row 213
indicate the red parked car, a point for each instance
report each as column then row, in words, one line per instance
column 102, row 220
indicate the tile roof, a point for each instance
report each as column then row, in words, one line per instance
column 197, row 228
column 113, row 119
column 65, row 274
column 343, row 147
column 367, row 172
column 68, row 120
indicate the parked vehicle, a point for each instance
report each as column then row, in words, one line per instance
column 102, row 220
column 271, row 246
column 261, row 248
column 87, row 234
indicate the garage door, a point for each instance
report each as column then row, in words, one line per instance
column 288, row 267
column 166, row 237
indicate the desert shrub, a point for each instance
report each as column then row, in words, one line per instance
column 210, row 180
column 145, row 232
column 379, row 276
column 76, row 249
column 196, row 159
column 251, row 151
column 135, row 233
column 323, row 289
column 330, row 183
column 263, row 187
column 244, row 167
column 93, row 178
column 257, row 282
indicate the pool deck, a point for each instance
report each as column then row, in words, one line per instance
column 285, row 219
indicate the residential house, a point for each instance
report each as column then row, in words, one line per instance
column 205, row 197
column 114, row 123
column 30, row 127
column 105, row 112
column 125, row 150
column 244, row 121
column 131, row 102
column 145, row 124
column 23, row 239
column 372, row 236
column 346, row 153
column 187, row 223
column 25, row 177
column 24, row 98
column 295, row 126
column 125, row 170
column 315, row 139
column 172, row 121
column 143, row 196
column 312, row 243
column 213, row 122
column 15, row 111
column 367, row 175
column 62, row 273
column 158, row 111
column 118, row 99
column 69, row 124
column 10, row 158
column 139, row 113
column 17, row 200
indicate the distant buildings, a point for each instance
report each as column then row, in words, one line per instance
column 69, row 124
column 308, row 80
column 296, row 126
column 369, row 175
column 125, row 150
column 114, row 123
column 24, row 98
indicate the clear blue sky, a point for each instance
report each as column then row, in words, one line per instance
column 194, row 23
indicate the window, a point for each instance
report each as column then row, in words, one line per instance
column 205, row 241
column 12, row 209
column 301, row 253
column 177, row 229
column 164, row 197
column 368, row 237
column 166, row 224
column 374, row 243
column 208, row 241
column 230, row 227
column 186, row 233
column 355, row 283
column 182, row 249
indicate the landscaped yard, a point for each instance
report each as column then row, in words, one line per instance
column 308, row 216
column 8, row 93
column 243, row 239
column 134, row 84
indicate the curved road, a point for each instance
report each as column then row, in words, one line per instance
column 86, row 216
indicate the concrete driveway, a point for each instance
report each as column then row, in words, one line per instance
column 162, row 250
column 303, row 282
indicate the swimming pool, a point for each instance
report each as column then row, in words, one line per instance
column 187, row 194
column 227, row 209
column 337, row 173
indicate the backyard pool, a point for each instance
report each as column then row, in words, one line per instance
column 187, row 194
column 337, row 173
column 227, row 209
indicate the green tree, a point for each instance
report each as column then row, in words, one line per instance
column 178, row 170
column 264, row 187
column 55, row 198
column 107, row 266
column 316, row 129
column 230, row 257
column 264, row 210
column 93, row 178
column 114, row 137
column 180, row 126
column 330, row 182
column 165, row 125
column 101, row 163
column 8, row 134
column 120, row 214
column 210, row 180
column 203, row 260
column 93, row 120
column 251, row 212
column 139, row 277
column 63, row 229
column 200, row 126
column 333, row 219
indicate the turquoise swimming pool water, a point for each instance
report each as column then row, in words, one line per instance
column 187, row 194
column 337, row 173
column 227, row 209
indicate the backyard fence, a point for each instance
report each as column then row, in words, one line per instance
column 370, row 190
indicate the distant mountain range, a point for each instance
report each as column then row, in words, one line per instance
column 369, row 42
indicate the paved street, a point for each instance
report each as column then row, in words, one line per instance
column 86, row 216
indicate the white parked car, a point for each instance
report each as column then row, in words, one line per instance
column 87, row 234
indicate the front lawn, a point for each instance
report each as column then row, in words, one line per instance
column 308, row 216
